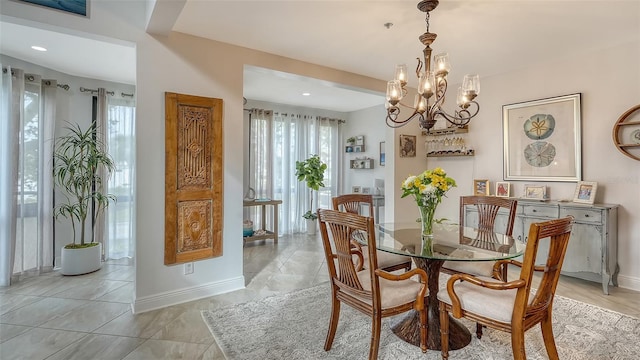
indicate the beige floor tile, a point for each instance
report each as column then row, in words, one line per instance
column 87, row 317
column 188, row 327
column 41, row 311
column 37, row 344
column 169, row 350
column 98, row 347
column 123, row 294
column 91, row 290
column 10, row 331
column 143, row 325
column 10, row 302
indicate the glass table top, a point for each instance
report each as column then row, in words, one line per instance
column 449, row 242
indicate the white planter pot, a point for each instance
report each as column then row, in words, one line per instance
column 311, row 226
column 81, row 261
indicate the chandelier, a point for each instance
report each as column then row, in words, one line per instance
column 432, row 86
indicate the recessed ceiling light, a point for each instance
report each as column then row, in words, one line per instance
column 306, row 94
column 38, row 48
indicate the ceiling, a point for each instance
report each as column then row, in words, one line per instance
column 484, row 37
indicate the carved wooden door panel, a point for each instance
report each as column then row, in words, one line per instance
column 193, row 178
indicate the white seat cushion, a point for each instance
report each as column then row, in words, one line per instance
column 480, row 268
column 492, row 304
column 392, row 293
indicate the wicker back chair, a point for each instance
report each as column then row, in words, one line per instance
column 507, row 306
column 351, row 203
column 373, row 291
column 488, row 207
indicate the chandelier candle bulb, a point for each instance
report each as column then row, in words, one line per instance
column 442, row 64
column 401, row 74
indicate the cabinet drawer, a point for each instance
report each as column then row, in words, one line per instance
column 540, row 211
column 589, row 216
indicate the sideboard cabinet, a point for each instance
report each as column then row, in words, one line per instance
column 592, row 253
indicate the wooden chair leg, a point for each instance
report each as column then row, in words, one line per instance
column 375, row 336
column 333, row 323
column 479, row 330
column 549, row 340
column 424, row 330
column 517, row 344
column 444, row 332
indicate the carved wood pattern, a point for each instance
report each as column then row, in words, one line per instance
column 194, row 225
column 194, row 156
column 193, row 178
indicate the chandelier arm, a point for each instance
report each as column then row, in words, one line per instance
column 394, row 123
column 462, row 117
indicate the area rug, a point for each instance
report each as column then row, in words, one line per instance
column 294, row 326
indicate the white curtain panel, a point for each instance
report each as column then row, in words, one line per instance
column 120, row 216
column 12, row 84
column 277, row 141
column 27, row 111
column 100, row 230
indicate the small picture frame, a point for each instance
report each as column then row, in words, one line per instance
column 503, row 189
column 356, row 189
column 585, row 192
column 382, row 153
column 360, row 140
column 480, row 187
column 366, row 190
column 407, row 146
column 535, row 192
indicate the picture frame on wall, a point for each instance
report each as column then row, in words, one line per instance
column 542, row 139
column 503, row 189
column 535, row 192
column 382, row 153
column 407, row 145
column 481, row 187
column 78, row 7
column 585, row 192
column 356, row 189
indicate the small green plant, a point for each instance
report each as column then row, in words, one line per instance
column 81, row 165
column 351, row 140
column 311, row 171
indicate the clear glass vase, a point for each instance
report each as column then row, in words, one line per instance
column 426, row 218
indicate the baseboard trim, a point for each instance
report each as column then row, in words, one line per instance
column 170, row 298
column 629, row 282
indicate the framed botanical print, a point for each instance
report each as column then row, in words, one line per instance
column 535, row 192
column 542, row 139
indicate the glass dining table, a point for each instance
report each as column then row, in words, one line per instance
column 450, row 242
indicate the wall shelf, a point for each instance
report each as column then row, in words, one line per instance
column 361, row 164
column 444, row 154
column 446, row 131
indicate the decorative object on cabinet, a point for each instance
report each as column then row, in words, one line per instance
column 437, row 146
column 356, row 189
column 382, row 153
column 537, row 133
column 626, row 133
column 407, row 145
column 503, row 189
column 263, row 233
column 592, row 253
column 585, row 192
column 432, row 87
column 480, row 187
column 535, row 192
column 366, row 190
column 364, row 163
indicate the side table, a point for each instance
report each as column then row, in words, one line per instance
column 269, row 234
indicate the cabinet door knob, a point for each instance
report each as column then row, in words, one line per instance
column 534, row 210
column 586, row 215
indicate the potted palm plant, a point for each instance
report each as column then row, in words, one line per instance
column 81, row 166
column 311, row 171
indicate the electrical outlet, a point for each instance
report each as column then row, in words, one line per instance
column 188, row 268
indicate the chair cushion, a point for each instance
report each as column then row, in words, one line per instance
column 392, row 293
column 480, row 268
column 492, row 304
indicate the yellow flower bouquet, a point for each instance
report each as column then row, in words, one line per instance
column 428, row 189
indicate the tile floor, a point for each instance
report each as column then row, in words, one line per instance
column 36, row 321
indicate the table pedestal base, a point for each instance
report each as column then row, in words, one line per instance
column 408, row 329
